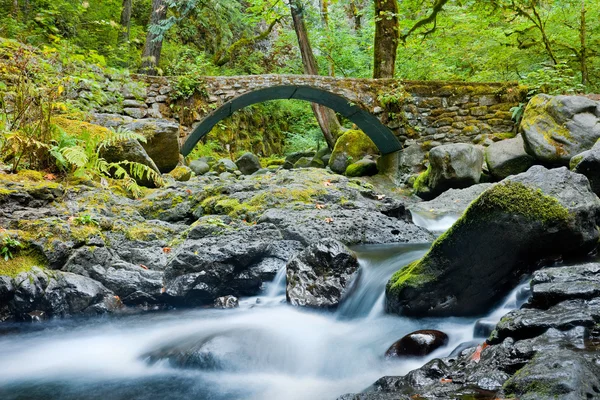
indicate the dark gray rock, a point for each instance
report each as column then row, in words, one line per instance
column 451, row 166
column 588, row 164
column 303, row 162
column 248, row 163
column 417, row 344
column 110, row 120
column 556, row 128
column 199, row 167
column 320, row 275
column 224, row 165
column 162, row 141
column 131, row 150
column 508, row 157
column 556, row 213
column 452, row 201
column 291, row 159
column 227, row 302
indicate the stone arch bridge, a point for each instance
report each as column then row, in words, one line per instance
column 394, row 113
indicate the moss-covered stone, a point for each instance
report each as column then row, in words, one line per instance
column 22, row 262
column 181, row 173
column 505, row 231
column 351, row 147
column 364, row 167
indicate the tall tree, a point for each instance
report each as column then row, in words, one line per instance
column 386, row 38
column 125, row 22
column 325, row 117
column 154, row 41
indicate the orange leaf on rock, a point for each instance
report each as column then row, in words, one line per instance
column 143, row 266
column 50, row 177
column 327, row 183
column 320, row 206
column 446, row 380
column 166, row 250
column 477, row 355
column 329, row 220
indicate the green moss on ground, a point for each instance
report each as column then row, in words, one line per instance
column 23, row 261
column 422, row 180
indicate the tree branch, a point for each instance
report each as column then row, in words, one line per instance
column 431, row 18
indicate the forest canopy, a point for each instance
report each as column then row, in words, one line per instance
column 493, row 40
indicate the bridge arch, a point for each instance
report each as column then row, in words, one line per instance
column 381, row 135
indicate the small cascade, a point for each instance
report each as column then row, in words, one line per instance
column 277, row 287
column 377, row 265
column 437, row 225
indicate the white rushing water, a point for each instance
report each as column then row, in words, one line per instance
column 264, row 350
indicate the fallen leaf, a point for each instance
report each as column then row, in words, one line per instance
column 327, row 183
column 320, row 206
column 50, row 177
column 166, row 250
column 446, row 380
column 163, row 289
column 188, row 191
column 71, row 218
column 143, row 266
column 329, row 220
column 477, row 355
column 380, row 196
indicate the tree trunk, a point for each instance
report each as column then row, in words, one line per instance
column 386, row 38
column 125, row 22
column 15, row 9
column 153, row 46
column 325, row 19
column 583, row 51
column 325, row 117
column 354, row 15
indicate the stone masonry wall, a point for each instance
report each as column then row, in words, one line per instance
column 423, row 112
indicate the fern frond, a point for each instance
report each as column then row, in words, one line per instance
column 75, row 155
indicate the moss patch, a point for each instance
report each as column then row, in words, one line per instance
column 22, row 262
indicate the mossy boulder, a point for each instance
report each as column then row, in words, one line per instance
column 224, row 165
column 199, row 167
column 541, row 214
column 181, row 173
column 451, row 166
column 351, row 147
column 507, row 157
column 162, row 141
column 556, row 128
column 364, row 167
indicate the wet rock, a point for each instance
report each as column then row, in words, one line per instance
column 58, row 294
column 248, row 163
column 556, row 128
column 483, row 328
column 452, row 201
column 227, row 302
column 351, row 147
column 507, row 157
column 321, row 275
column 588, row 164
column 206, row 267
column 550, row 286
column 451, row 166
column 417, row 344
column 556, row 374
column 162, row 141
column 224, row 165
column 556, row 213
column 199, row 167
column 350, row 226
column 110, row 120
column 528, row 323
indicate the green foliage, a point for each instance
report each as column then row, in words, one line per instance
column 86, row 219
column 9, row 246
column 553, row 80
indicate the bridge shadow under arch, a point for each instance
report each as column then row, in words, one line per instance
column 381, row 135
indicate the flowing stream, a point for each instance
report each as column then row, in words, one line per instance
column 262, row 350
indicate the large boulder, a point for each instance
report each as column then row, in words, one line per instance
column 364, row 167
column 557, row 128
column 351, row 147
column 162, row 141
column 320, row 276
column 248, row 163
column 131, row 150
column 224, row 165
column 588, row 164
column 450, row 166
column 527, row 218
column 507, row 157
column 199, row 167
